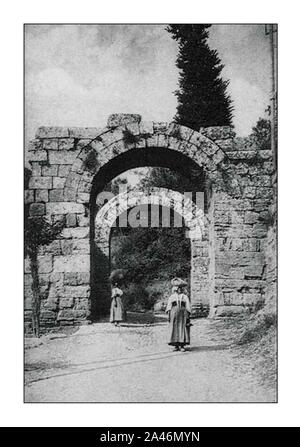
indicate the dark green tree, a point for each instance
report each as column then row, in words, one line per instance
column 202, row 95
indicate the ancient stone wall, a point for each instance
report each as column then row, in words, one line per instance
column 65, row 164
column 242, row 195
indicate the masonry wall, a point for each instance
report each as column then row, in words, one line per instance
column 232, row 268
column 64, row 265
column 242, row 196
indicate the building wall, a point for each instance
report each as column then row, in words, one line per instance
column 231, row 267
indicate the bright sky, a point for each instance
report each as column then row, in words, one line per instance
column 76, row 75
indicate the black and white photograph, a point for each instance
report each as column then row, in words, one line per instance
column 150, row 212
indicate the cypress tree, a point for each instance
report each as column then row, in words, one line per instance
column 202, row 97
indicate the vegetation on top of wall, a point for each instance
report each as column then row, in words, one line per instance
column 129, row 138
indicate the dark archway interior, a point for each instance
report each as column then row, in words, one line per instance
column 150, row 255
column 135, row 158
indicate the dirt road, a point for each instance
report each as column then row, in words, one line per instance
column 133, row 363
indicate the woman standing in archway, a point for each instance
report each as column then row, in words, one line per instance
column 117, row 312
column 179, row 310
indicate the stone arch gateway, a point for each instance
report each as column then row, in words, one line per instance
column 71, row 165
column 194, row 221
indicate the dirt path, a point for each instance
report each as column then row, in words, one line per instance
column 101, row 363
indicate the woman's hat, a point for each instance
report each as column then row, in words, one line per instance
column 117, row 276
column 178, row 282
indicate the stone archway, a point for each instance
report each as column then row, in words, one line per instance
column 194, row 220
column 115, row 141
column 71, row 165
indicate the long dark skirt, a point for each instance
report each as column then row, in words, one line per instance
column 117, row 312
column 179, row 333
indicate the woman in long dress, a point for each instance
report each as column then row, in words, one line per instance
column 117, row 313
column 179, row 310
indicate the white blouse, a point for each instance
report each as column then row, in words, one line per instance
column 116, row 292
column 179, row 298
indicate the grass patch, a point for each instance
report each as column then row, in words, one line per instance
column 257, row 328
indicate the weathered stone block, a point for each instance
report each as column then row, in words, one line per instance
column 87, row 133
column 56, row 195
column 122, row 119
column 70, row 279
column 262, row 180
column 38, row 156
column 81, row 246
column 82, row 304
column 71, row 220
column 65, row 315
column 146, row 127
column 45, row 263
column 62, row 157
column 52, row 132
column 41, row 195
column 228, row 311
column 259, row 230
column 50, row 144
column 84, row 186
column 28, row 196
column 249, row 192
column 64, row 208
column 51, row 304
column 160, row 126
column 265, row 154
column 59, row 182
column 72, row 263
column 40, row 183
column 225, row 145
column 63, row 170
column 75, row 233
column 37, row 209
column 80, row 315
column 241, row 155
column 70, row 194
column 53, row 248
column 77, row 291
column 251, row 217
column 233, row 298
column 65, row 143
column 34, row 145
column 48, row 317
column 78, row 166
column 83, row 197
column 218, row 132
column 66, row 302
column 36, row 169
column 254, row 271
column 83, row 278
column 252, row 298
column 49, row 171
column 82, row 220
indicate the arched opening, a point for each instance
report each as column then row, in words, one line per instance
column 112, row 152
column 165, row 241
column 150, row 254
